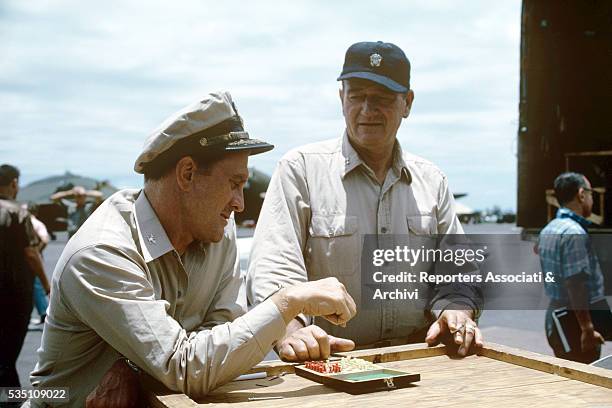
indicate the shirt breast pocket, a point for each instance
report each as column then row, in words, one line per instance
column 422, row 230
column 422, row 224
column 334, row 246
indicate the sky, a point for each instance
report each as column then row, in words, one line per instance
column 82, row 84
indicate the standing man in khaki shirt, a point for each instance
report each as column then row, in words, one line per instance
column 324, row 197
column 151, row 281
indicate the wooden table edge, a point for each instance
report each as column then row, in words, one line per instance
column 568, row 369
column 159, row 396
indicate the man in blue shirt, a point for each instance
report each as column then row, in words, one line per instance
column 565, row 249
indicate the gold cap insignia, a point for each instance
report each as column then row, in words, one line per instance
column 375, row 60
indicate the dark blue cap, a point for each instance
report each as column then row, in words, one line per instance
column 383, row 63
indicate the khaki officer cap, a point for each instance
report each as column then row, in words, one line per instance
column 211, row 124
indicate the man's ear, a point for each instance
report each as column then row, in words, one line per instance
column 581, row 194
column 341, row 95
column 184, row 172
column 409, row 100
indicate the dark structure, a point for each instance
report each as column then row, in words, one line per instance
column 566, row 103
column 254, row 193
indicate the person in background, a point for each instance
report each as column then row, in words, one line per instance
column 565, row 249
column 19, row 262
column 77, row 205
column 40, row 297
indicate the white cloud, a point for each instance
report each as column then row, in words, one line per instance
column 83, row 83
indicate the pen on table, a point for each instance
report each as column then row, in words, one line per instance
column 265, row 398
column 253, row 376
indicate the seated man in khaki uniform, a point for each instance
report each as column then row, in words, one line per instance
column 152, row 281
column 324, row 197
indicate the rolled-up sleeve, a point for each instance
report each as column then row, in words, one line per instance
column 282, row 229
column 107, row 290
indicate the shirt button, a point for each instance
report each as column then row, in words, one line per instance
column 383, row 230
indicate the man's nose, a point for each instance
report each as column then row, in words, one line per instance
column 369, row 106
column 238, row 200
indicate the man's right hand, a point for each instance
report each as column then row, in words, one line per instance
column 589, row 339
column 326, row 297
column 119, row 388
column 311, row 343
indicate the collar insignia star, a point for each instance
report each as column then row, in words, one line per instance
column 151, row 239
column 375, row 60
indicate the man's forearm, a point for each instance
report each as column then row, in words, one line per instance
column 579, row 300
column 34, row 261
column 59, row 195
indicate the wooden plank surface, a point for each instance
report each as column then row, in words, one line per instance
column 499, row 377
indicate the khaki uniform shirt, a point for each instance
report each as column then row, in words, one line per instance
column 120, row 288
column 320, row 202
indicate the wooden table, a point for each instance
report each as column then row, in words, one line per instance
column 498, row 376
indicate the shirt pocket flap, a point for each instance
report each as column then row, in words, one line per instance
column 328, row 226
column 422, row 224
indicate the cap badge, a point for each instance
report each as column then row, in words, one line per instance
column 375, row 60
column 203, row 141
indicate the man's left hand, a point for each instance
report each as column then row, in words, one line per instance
column 458, row 326
column 119, row 388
